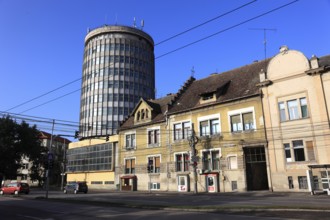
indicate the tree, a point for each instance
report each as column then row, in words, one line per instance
column 19, row 141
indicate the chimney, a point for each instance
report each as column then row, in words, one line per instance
column 284, row 49
column 314, row 62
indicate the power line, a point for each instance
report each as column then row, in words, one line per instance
column 170, row 52
column 44, row 94
column 208, row 21
column 227, row 29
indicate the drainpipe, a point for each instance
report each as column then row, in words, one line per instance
column 266, row 146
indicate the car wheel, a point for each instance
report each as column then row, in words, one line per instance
column 85, row 192
column 65, row 191
column 16, row 192
column 1, row 192
column 75, row 191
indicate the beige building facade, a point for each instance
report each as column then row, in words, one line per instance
column 296, row 103
column 208, row 137
column 93, row 161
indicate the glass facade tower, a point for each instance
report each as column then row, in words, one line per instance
column 118, row 69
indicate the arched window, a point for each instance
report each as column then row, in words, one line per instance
column 138, row 116
column 142, row 114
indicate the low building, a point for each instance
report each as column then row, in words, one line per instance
column 208, row 137
column 296, row 102
column 93, row 161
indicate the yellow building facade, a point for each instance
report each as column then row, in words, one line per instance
column 92, row 161
column 223, row 116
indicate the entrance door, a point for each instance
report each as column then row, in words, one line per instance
column 183, row 183
column 212, row 183
column 256, row 170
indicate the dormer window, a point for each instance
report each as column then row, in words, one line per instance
column 142, row 114
column 138, row 116
column 207, row 96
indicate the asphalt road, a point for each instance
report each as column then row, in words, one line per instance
column 142, row 205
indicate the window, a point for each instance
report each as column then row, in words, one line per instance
column 287, row 152
column 295, row 151
column 293, row 109
column 154, row 186
column 242, row 122
column 153, row 136
column 209, row 127
column 181, row 130
column 154, row 164
column 302, row 180
column 233, row 185
column 129, row 166
column 182, row 162
column 232, row 162
column 211, row 160
column 130, row 141
column 298, row 149
column 290, row 182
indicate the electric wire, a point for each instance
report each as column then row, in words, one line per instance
column 170, row 52
column 205, row 22
column 181, row 33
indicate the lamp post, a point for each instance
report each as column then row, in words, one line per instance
column 193, row 140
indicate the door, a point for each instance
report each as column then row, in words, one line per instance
column 256, row 170
column 183, row 183
column 212, row 183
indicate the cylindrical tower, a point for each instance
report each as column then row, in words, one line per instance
column 118, row 69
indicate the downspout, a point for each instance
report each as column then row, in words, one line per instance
column 325, row 100
column 266, row 146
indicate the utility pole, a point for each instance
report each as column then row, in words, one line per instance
column 49, row 160
column 193, row 140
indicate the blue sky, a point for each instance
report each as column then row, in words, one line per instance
column 42, row 42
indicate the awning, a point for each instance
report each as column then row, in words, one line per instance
column 128, row 177
column 319, row 166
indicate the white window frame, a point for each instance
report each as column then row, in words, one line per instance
column 183, row 161
column 292, row 113
column 241, row 112
column 209, row 118
column 154, row 167
column 182, row 131
column 154, row 144
column 230, row 167
column 210, row 151
column 132, row 146
column 129, row 158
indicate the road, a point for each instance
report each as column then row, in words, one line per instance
column 116, row 205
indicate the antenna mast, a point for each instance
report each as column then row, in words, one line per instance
column 265, row 38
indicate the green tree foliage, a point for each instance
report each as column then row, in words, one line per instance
column 19, row 141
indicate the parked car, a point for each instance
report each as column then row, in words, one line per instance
column 15, row 188
column 76, row 187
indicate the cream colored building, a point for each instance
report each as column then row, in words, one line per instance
column 93, row 161
column 296, row 102
column 225, row 112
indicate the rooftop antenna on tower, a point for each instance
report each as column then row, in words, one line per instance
column 142, row 24
column 134, row 22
